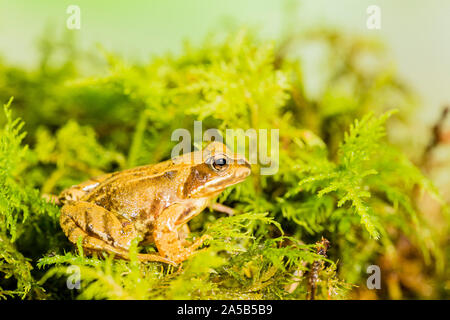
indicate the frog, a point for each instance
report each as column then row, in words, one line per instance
column 151, row 203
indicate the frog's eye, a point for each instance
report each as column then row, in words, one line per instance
column 219, row 163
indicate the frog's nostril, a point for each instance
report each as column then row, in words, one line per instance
column 245, row 170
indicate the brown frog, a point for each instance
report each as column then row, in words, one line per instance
column 151, row 203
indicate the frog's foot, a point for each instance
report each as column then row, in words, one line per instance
column 51, row 198
column 199, row 242
column 175, row 251
column 101, row 230
column 144, row 257
column 95, row 245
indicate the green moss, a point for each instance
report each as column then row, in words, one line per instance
column 339, row 177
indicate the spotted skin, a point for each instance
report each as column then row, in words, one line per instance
column 149, row 203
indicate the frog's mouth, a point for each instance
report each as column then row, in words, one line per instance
column 244, row 171
column 217, row 185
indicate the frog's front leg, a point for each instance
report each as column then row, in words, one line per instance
column 100, row 230
column 166, row 234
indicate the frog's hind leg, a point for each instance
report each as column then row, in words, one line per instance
column 100, row 230
column 75, row 193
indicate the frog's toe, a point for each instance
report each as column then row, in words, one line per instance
column 157, row 258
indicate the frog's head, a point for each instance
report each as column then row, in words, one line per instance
column 218, row 169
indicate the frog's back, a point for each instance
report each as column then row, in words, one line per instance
column 144, row 190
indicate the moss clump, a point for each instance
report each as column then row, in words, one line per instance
column 339, row 177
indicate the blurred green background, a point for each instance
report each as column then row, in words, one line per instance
column 415, row 31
